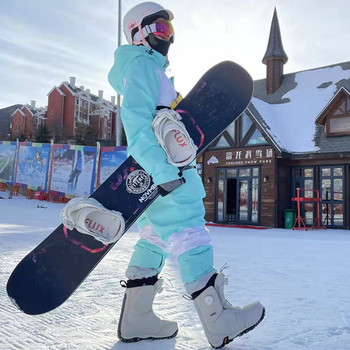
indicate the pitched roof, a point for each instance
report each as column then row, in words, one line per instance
column 58, row 89
column 321, row 117
column 20, row 112
column 274, row 46
column 94, row 98
column 288, row 115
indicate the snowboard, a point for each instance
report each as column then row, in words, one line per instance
column 52, row 271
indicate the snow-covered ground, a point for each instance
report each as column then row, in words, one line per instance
column 302, row 278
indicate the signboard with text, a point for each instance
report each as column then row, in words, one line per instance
column 241, row 157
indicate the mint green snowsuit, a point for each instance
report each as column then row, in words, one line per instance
column 138, row 75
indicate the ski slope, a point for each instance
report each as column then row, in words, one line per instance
column 302, row 278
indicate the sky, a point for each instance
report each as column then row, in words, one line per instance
column 43, row 43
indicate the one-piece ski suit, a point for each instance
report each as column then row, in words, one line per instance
column 174, row 223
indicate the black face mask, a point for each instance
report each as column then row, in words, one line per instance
column 161, row 46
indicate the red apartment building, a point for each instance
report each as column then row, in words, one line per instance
column 69, row 105
column 25, row 121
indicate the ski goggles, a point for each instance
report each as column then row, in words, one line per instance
column 160, row 28
column 163, row 29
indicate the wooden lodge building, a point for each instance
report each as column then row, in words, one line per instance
column 294, row 134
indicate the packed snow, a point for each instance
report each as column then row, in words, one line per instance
column 302, row 278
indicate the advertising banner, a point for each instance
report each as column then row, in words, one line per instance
column 33, row 165
column 7, row 161
column 110, row 159
column 73, row 170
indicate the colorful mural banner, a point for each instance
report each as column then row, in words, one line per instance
column 33, row 165
column 7, row 161
column 110, row 159
column 73, row 170
column 68, row 170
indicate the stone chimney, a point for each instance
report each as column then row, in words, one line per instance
column 88, row 91
column 113, row 100
column 72, row 81
column 275, row 57
column 32, row 103
column 100, row 94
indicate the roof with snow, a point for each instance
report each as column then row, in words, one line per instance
column 289, row 115
column 76, row 91
column 35, row 111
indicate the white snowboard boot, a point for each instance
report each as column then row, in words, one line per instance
column 221, row 321
column 137, row 319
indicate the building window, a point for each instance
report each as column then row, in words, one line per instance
column 220, row 200
column 332, row 194
column 231, row 130
column 246, row 124
column 338, row 123
column 257, row 139
column 303, row 178
column 221, row 143
column 237, row 195
column 240, row 133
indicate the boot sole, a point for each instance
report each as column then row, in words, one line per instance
column 136, row 339
column 227, row 340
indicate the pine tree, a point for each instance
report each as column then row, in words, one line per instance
column 90, row 136
column 42, row 134
column 85, row 135
column 79, row 134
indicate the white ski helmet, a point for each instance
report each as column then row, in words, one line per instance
column 134, row 17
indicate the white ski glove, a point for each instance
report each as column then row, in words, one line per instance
column 173, row 137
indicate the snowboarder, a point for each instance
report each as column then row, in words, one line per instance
column 175, row 222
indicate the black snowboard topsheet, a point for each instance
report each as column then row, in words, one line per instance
column 50, row 273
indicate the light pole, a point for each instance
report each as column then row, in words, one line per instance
column 118, row 124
